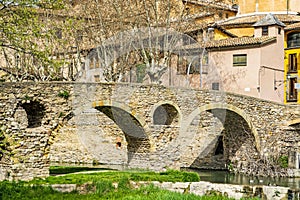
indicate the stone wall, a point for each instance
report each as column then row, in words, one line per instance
column 30, row 116
column 115, row 124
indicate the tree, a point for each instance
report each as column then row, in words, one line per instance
column 56, row 42
column 148, row 30
column 25, row 41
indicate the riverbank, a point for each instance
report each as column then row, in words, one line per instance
column 85, row 183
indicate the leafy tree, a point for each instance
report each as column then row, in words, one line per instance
column 25, row 43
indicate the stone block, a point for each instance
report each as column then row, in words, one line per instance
column 64, row 187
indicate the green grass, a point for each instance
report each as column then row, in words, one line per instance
column 101, row 187
column 116, row 176
column 104, row 190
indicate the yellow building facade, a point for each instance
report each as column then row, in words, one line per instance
column 250, row 6
column 291, row 64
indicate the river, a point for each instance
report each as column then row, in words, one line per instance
column 218, row 176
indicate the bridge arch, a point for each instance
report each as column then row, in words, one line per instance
column 122, row 106
column 122, row 126
column 293, row 122
column 218, row 110
column 226, row 107
column 166, row 113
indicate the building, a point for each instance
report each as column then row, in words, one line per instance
column 251, row 12
column 284, row 6
column 291, row 64
column 252, row 65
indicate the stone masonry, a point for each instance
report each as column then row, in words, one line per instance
column 140, row 126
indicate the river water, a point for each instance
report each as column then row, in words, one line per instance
column 217, row 176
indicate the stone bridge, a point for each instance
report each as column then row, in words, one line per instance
column 140, row 126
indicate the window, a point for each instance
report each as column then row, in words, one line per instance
column 293, row 40
column 279, row 31
column 215, row 86
column 205, row 58
column 97, row 78
column 292, row 93
column 182, row 65
column 292, row 62
column 265, row 31
column 240, row 60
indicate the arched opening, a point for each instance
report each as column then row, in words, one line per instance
column 221, row 137
column 165, row 114
column 296, row 126
column 35, row 112
column 220, row 147
column 137, row 139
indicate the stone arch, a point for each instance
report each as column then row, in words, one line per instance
column 295, row 122
column 122, row 106
column 226, row 107
column 131, row 125
column 30, row 114
column 163, row 114
column 219, row 111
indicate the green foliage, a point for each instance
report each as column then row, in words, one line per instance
column 140, row 72
column 123, row 183
column 183, row 175
column 26, row 42
column 283, row 161
column 230, row 167
column 104, row 190
column 12, row 190
column 5, row 146
column 64, row 94
column 120, row 176
column 104, row 187
column 27, row 98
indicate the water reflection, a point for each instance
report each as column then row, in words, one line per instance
column 217, row 176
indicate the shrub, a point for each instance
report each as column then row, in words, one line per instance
column 64, row 94
column 283, row 161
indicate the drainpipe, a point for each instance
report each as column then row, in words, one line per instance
column 256, row 6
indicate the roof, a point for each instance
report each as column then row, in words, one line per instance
column 251, row 19
column 240, row 42
column 269, row 20
column 220, row 28
column 213, row 4
column 295, row 26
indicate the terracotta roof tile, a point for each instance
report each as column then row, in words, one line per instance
column 251, row 19
column 295, row 26
column 239, row 42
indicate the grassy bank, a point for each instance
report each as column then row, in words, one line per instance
column 101, row 186
column 116, row 176
column 104, row 190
